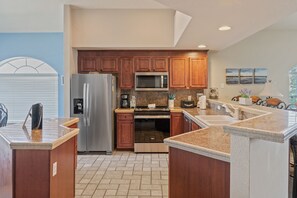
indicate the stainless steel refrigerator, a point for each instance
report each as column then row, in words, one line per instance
column 93, row 100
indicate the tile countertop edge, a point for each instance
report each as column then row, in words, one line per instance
column 70, row 122
column 122, row 110
column 47, row 146
column 254, row 133
column 258, row 133
column 198, row 150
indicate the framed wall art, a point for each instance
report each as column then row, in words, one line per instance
column 260, row 76
column 232, row 76
column 246, row 75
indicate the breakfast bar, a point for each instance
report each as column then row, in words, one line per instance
column 246, row 158
column 40, row 163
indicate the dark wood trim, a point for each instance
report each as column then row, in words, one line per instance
column 189, row 53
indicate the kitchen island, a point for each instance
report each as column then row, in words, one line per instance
column 39, row 163
column 248, row 158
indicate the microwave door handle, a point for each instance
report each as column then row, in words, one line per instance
column 162, row 81
column 84, row 104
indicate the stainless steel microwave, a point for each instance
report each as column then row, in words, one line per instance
column 151, row 81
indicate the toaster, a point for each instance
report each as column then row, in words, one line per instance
column 187, row 104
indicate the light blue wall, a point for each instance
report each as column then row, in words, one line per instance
column 47, row 47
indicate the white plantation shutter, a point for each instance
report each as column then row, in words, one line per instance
column 19, row 90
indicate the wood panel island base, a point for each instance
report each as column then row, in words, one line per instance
column 41, row 166
column 194, row 175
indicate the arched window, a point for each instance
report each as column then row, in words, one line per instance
column 25, row 81
column 293, row 85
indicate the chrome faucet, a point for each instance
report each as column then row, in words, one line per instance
column 234, row 113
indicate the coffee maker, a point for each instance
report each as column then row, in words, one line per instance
column 125, row 101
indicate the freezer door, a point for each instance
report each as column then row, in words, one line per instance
column 99, row 119
column 78, row 107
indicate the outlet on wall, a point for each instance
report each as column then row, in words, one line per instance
column 55, row 167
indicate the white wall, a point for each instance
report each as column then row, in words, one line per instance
column 275, row 50
column 122, row 28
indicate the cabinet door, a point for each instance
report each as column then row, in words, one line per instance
column 88, row 64
column 125, row 131
column 142, row 64
column 176, row 124
column 194, row 126
column 187, row 124
column 198, row 72
column 160, row 64
column 179, row 72
column 109, row 64
column 126, row 73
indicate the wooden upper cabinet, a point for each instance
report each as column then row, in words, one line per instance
column 160, row 64
column 126, row 76
column 88, row 63
column 176, row 124
column 109, row 64
column 198, row 72
column 142, row 64
column 151, row 64
column 179, row 72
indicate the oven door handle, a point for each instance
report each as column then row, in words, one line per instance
column 152, row 117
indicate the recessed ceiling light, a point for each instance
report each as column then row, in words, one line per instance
column 224, row 28
column 201, row 46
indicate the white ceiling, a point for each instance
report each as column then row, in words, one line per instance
column 245, row 17
column 288, row 23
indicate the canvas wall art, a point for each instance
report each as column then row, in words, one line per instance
column 232, row 76
column 260, row 76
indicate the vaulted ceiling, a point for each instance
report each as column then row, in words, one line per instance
column 201, row 27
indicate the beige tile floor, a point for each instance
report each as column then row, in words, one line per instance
column 122, row 174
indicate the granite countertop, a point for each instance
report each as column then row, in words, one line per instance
column 54, row 133
column 124, row 110
column 211, row 141
column 267, row 123
column 276, row 125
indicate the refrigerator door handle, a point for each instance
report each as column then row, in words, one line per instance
column 84, row 104
column 88, row 103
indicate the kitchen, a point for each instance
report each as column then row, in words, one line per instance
column 143, row 123
column 158, row 45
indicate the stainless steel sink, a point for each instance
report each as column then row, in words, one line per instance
column 211, row 120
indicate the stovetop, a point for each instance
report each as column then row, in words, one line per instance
column 157, row 108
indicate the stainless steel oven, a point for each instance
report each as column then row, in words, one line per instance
column 151, row 81
column 152, row 126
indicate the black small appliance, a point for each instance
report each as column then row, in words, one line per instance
column 125, row 101
column 187, row 104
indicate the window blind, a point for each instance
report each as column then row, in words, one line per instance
column 19, row 91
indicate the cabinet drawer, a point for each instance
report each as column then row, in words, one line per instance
column 125, row 116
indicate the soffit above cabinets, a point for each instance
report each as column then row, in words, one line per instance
column 193, row 22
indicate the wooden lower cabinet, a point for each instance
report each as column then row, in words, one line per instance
column 125, row 131
column 194, row 126
column 176, row 123
column 187, row 124
column 192, row 175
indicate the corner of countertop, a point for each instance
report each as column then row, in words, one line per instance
column 124, row 110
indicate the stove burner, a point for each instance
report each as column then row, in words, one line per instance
column 145, row 108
